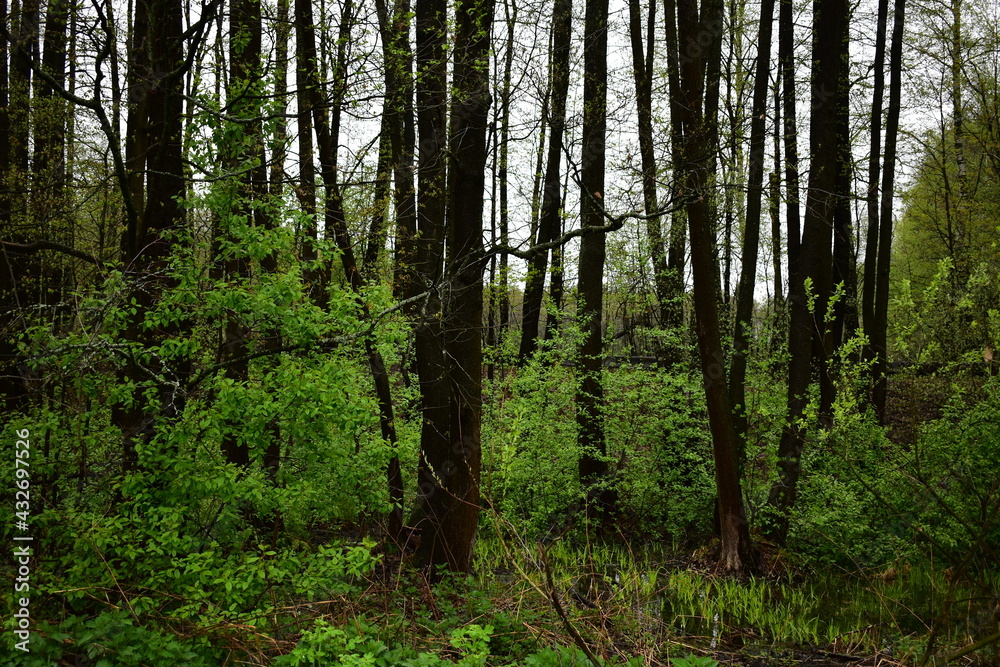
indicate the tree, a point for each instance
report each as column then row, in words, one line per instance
column 810, row 288
column 590, row 286
column 751, row 234
column 875, row 296
column 550, row 215
column 450, row 326
column 157, row 63
column 736, row 551
column 642, row 70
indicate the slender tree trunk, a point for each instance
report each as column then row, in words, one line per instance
column 503, row 150
column 16, row 268
column 593, row 465
column 556, row 284
column 376, row 237
column 807, row 330
column 642, row 69
column 49, row 129
column 24, row 52
column 845, row 275
column 786, row 60
column 960, row 256
column 5, row 137
column 751, row 234
column 550, row 216
column 306, row 190
column 774, row 199
column 736, row 549
column 279, row 141
column 673, row 316
column 877, row 335
column 394, row 30
column 874, row 171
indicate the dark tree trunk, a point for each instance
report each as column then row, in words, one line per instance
column 736, row 548
column 774, row 199
column 673, row 314
column 642, row 70
column 306, row 190
column 157, row 68
column 5, row 137
column 427, row 253
column 510, row 15
column 49, row 169
column 136, row 122
column 376, row 237
column 23, row 52
column 16, row 267
column 807, row 330
column 556, row 284
column 874, row 171
column 279, row 140
column 550, row 216
column 751, row 235
column 593, row 464
column 394, row 30
column 786, row 62
column 880, row 314
column 451, row 509
column 844, row 322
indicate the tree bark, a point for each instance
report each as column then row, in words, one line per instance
column 880, row 315
column 673, row 315
column 751, row 235
column 157, row 66
column 736, row 551
column 807, row 330
column 550, row 216
column 874, row 171
column 427, row 252
column 593, row 465
column 786, row 60
column 451, row 510
column 642, row 70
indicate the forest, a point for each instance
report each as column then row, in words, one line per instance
column 500, row 332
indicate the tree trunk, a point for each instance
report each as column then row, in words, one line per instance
column 736, row 549
column 786, row 60
column 877, row 335
column 157, row 66
column 427, row 253
column 394, row 30
column 452, row 508
column 593, row 465
column 807, row 330
column 16, row 268
column 279, row 140
column 751, row 235
column 550, row 216
column 642, row 69
column 874, row 166
column 306, row 191
column 673, row 310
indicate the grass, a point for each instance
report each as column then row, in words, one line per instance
column 656, row 603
